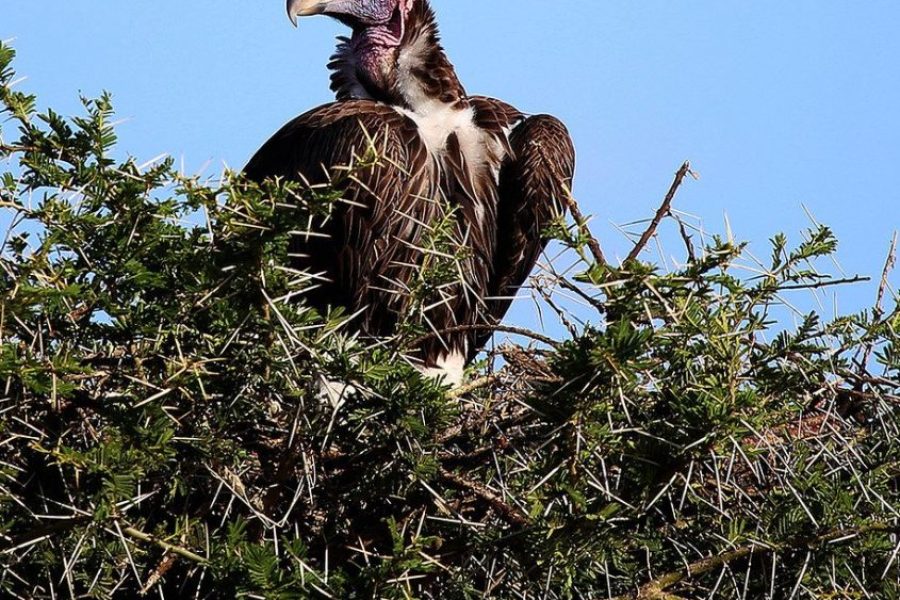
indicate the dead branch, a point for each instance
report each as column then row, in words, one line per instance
column 581, row 222
column 878, row 311
column 825, row 284
column 486, row 327
column 509, row 513
column 164, row 566
column 686, row 238
column 479, row 383
column 663, row 212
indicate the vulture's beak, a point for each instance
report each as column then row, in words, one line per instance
column 303, row 8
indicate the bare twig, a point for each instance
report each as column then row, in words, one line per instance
column 663, row 212
column 144, row 537
column 560, row 312
column 824, row 284
column 486, row 327
column 878, row 311
column 889, row 264
column 688, row 242
column 581, row 222
column 479, row 383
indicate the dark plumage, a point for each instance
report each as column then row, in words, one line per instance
column 506, row 176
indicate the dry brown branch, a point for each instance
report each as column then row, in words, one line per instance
column 571, row 287
column 581, row 222
column 663, row 212
column 477, row 384
column 164, row 566
column 686, row 238
column 889, row 264
column 483, row 327
column 509, row 513
column 580, row 219
column 878, row 311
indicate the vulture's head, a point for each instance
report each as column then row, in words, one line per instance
column 383, row 30
column 384, row 20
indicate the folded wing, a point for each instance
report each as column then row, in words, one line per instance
column 534, row 186
column 362, row 251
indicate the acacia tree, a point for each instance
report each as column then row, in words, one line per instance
column 160, row 433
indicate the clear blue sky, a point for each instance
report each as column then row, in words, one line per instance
column 778, row 105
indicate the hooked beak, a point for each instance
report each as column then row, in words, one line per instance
column 303, row 8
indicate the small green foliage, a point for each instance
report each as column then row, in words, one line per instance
column 162, row 428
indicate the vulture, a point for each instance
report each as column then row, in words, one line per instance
column 488, row 176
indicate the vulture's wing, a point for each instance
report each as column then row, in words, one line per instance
column 363, row 247
column 534, row 185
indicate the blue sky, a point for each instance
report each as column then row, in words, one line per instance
column 779, row 105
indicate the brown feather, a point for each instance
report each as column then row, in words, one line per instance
column 532, row 193
column 371, row 238
column 504, row 183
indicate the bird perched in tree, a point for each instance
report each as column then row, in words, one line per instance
column 501, row 175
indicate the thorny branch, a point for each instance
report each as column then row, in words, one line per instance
column 824, row 284
column 511, row 514
column 486, row 327
column 656, row 589
column 144, row 537
column 580, row 220
column 481, row 382
column 878, row 310
column 582, row 223
column 664, row 210
column 576, row 446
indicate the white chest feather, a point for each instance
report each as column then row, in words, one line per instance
column 437, row 121
column 479, row 151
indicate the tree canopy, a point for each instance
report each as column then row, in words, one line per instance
column 161, row 432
